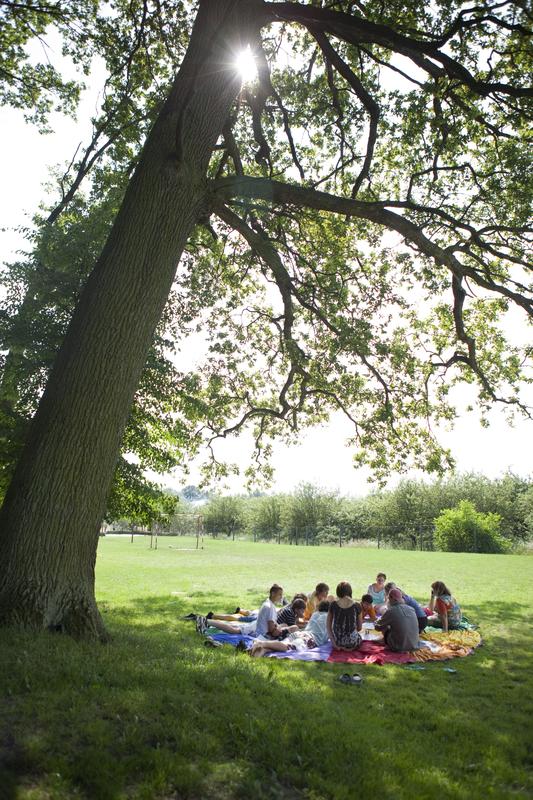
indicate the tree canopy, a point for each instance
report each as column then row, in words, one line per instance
column 356, row 225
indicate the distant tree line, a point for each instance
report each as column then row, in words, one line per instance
column 466, row 512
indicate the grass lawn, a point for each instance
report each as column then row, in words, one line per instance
column 155, row 714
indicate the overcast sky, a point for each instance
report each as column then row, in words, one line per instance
column 322, row 457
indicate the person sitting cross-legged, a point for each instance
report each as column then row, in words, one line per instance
column 344, row 619
column 377, row 591
column 399, row 624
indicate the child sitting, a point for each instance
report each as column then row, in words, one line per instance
column 368, row 608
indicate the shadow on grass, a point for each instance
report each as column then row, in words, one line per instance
column 155, row 714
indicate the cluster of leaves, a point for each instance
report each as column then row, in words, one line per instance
column 28, row 78
column 465, row 530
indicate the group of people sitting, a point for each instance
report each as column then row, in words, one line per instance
column 310, row 620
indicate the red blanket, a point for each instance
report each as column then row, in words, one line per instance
column 370, row 653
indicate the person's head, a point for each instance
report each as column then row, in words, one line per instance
column 298, row 605
column 344, row 589
column 381, row 578
column 366, row 600
column 388, row 586
column 439, row 588
column 395, row 597
column 300, row 596
column 323, row 605
column 276, row 593
column 321, row 591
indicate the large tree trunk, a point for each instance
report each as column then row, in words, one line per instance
column 55, row 504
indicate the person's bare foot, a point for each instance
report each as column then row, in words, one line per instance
column 257, row 652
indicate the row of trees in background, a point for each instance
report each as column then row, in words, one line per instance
column 463, row 513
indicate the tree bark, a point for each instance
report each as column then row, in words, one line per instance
column 54, row 506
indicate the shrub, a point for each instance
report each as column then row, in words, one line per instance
column 465, row 530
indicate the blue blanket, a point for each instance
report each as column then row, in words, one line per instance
column 314, row 654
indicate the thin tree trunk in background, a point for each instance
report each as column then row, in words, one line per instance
column 56, row 501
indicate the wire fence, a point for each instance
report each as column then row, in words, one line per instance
column 416, row 537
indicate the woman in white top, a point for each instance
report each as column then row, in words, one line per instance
column 377, row 591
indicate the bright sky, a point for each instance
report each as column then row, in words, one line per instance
column 322, row 457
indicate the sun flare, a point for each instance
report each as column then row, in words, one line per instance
column 246, row 66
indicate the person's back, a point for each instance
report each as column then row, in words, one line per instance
column 421, row 615
column 414, row 604
column 401, row 626
column 317, row 627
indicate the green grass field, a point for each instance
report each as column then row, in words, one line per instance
column 155, row 714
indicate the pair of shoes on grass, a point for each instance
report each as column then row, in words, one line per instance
column 353, row 680
column 240, row 647
column 201, row 624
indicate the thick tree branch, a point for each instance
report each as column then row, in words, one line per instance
column 278, row 193
column 356, row 30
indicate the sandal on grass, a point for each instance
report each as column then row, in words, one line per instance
column 356, row 679
column 210, row 642
column 345, row 678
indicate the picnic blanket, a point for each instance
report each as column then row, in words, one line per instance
column 438, row 646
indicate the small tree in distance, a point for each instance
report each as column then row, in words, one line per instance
column 465, row 530
column 223, row 515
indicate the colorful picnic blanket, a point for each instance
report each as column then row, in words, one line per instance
column 438, row 646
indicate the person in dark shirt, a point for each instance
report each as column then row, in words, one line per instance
column 398, row 624
column 344, row 619
column 292, row 613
